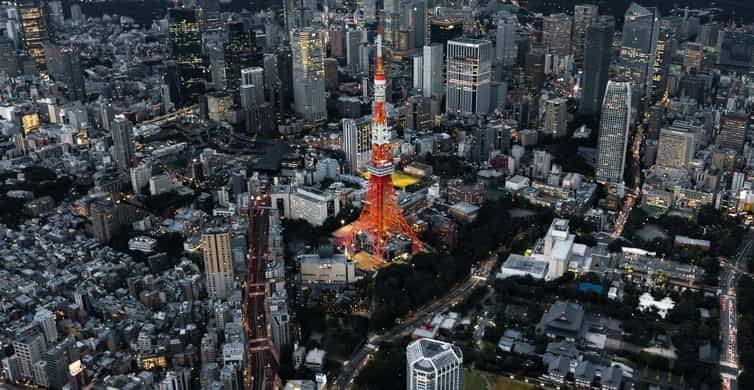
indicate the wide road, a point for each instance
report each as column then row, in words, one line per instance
column 731, row 271
column 454, row 296
column 632, row 195
column 259, row 373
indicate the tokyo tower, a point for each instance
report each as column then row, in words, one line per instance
column 381, row 218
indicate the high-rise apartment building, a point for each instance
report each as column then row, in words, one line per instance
column 28, row 347
column 433, row 365
column 218, row 262
column 357, row 142
column 732, row 133
column 123, row 146
column 185, row 48
column 33, row 29
column 469, row 64
column 597, row 55
column 46, row 321
column 432, row 65
column 641, row 29
column 555, row 119
column 615, row 122
column 583, row 16
column 556, row 34
column 675, row 148
column 308, row 74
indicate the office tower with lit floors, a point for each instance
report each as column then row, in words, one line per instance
column 218, row 262
column 185, row 48
column 469, row 64
column 308, row 74
column 638, row 50
column 357, row 142
column 597, row 56
column 556, row 121
column 556, row 34
column 615, row 122
column 433, row 365
column 665, row 47
column 583, row 16
column 33, row 29
column 675, row 148
column 238, row 51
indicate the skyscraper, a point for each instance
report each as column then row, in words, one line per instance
column 185, row 47
column 583, row 15
column 238, row 52
column 357, row 142
column 218, row 262
column 33, row 30
column 613, row 138
column 418, row 23
column 308, row 74
column 123, row 146
column 210, row 14
column 432, row 71
column 72, row 74
column 391, row 22
column 353, row 41
column 8, row 57
column 433, row 364
column 639, row 48
column 254, row 76
column 555, row 120
column 597, row 56
column 665, row 47
column 556, row 34
column 675, row 148
column 469, row 63
column 506, row 49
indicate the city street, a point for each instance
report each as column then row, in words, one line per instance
column 729, row 275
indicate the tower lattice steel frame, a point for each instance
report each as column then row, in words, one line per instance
column 381, row 217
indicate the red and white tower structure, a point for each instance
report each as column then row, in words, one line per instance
column 381, row 218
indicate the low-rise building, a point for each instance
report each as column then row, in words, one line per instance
column 334, row 269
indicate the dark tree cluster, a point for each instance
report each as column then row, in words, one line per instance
column 400, row 288
column 745, row 295
column 40, row 181
column 723, row 232
column 386, row 370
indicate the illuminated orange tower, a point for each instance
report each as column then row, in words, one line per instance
column 381, row 217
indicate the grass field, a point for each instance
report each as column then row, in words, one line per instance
column 479, row 380
column 474, row 380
